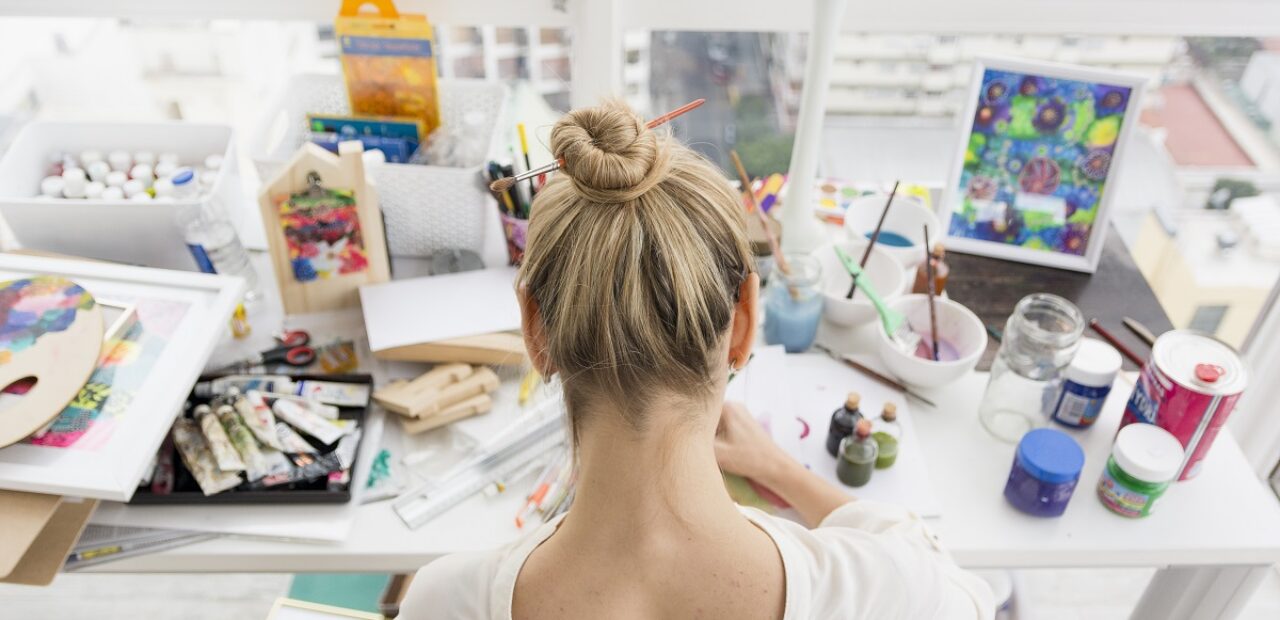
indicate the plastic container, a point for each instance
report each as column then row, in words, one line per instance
column 793, row 304
column 1045, row 470
column 843, row 421
column 1144, row 461
column 425, row 208
column 1085, row 384
column 857, row 459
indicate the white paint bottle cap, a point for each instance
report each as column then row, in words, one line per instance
column 133, row 187
column 142, row 172
column 116, row 178
column 169, row 158
column 89, row 156
column 144, row 157
column 113, row 193
column 52, row 187
column 163, row 187
column 119, row 160
column 98, row 170
column 93, row 190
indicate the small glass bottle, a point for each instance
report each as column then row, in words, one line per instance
column 793, row 304
column 857, row 456
column 940, row 272
column 210, row 236
column 1040, row 339
column 887, row 432
column 843, row 421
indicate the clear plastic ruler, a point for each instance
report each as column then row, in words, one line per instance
column 530, row 439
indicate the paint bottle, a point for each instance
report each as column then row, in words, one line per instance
column 887, row 432
column 857, row 456
column 1046, row 467
column 793, row 304
column 940, row 272
column 1085, row 384
column 1144, row 461
column 843, row 421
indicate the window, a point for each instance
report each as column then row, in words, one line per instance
column 1207, row 318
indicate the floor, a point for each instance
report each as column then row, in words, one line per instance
column 1045, row 595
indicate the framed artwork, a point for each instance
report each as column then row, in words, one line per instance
column 162, row 326
column 1041, row 144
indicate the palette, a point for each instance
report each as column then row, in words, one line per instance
column 50, row 330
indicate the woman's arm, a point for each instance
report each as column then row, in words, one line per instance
column 743, row 448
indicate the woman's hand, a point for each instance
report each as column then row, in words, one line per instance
column 742, row 445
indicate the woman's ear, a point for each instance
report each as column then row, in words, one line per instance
column 535, row 338
column 746, row 315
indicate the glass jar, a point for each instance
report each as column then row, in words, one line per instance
column 793, row 304
column 857, row 458
column 1040, row 339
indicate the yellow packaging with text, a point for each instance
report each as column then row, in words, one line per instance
column 389, row 62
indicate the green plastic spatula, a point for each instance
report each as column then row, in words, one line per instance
column 895, row 323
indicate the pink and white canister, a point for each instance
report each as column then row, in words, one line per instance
column 1188, row 387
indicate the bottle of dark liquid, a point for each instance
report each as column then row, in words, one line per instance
column 940, row 272
column 843, row 421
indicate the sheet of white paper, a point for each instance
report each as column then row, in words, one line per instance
column 418, row 310
column 788, row 392
column 307, row 522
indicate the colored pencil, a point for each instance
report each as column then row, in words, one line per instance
column 933, row 313
column 1140, row 331
column 524, row 148
column 875, row 236
column 1115, row 342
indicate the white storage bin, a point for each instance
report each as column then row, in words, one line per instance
column 125, row 231
column 424, row 208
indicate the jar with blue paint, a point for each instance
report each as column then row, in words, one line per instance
column 1045, row 470
column 1085, row 384
column 793, row 304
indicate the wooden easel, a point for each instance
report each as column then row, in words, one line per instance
column 342, row 171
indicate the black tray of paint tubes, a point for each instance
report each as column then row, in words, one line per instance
column 319, row 490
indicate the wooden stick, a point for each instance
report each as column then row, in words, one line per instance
column 1115, row 342
column 933, row 313
column 875, row 236
column 1140, row 331
column 774, row 247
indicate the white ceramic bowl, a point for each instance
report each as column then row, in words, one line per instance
column 956, row 325
column 907, row 217
column 883, row 270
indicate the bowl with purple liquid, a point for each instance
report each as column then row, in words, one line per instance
column 902, row 235
column 961, row 341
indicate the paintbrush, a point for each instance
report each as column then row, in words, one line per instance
column 895, row 323
column 1140, row 331
column 774, row 247
column 875, row 375
column 502, row 185
column 1115, row 342
column 524, row 148
column 875, row 235
column 933, row 313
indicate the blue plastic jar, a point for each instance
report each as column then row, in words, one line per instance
column 1045, row 470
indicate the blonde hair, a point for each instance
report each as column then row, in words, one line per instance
column 636, row 251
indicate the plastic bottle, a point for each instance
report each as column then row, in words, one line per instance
column 212, row 239
column 843, row 421
column 857, row 456
column 887, row 432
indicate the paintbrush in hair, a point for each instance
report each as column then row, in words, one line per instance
column 502, row 185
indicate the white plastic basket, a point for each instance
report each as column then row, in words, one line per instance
column 425, row 208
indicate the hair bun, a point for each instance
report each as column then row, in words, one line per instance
column 608, row 153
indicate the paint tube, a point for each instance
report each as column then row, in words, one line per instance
column 162, row 475
column 328, row 412
column 277, row 462
column 305, row 467
column 293, row 442
column 244, row 383
column 242, row 438
column 199, row 459
column 346, row 450
column 304, row 420
column 333, row 393
column 257, row 416
column 224, row 454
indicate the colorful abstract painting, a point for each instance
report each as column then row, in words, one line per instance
column 322, row 233
column 33, row 307
column 127, row 360
column 1038, row 160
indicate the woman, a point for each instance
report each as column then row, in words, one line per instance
column 639, row 290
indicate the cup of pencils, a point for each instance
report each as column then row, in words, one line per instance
column 513, row 211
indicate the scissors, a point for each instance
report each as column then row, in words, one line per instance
column 292, row 349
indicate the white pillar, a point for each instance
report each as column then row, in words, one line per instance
column 595, row 58
column 800, row 231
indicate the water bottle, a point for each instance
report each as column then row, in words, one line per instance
column 209, row 235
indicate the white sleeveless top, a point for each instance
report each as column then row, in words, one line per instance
column 865, row 560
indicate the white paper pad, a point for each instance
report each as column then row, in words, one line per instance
column 420, row 310
column 781, row 390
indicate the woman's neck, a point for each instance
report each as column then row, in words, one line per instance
column 653, row 484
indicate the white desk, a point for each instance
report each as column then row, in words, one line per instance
column 1212, row 537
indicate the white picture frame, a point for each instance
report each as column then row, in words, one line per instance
column 111, row 467
column 985, row 214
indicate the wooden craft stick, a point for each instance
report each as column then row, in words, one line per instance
column 465, row 409
column 400, row 396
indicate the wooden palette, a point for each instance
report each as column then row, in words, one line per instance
column 51, row 330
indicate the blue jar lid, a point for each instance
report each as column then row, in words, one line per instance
column 1050, row 455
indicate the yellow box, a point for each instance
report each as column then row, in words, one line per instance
column 389, row 62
